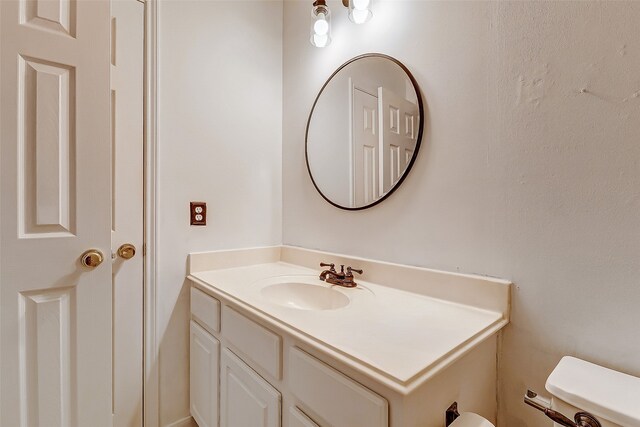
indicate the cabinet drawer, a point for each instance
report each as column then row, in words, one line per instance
column 255, row 342
column 205, row 309
column 329, row 395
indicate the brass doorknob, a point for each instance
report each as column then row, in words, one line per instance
column 127, row 251
column 91, row 258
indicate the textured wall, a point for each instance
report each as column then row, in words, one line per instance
column 220, row 136
column 522, row 175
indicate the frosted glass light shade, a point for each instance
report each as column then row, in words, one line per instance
column 320, row 40
column 360, row 11
column 320, row 26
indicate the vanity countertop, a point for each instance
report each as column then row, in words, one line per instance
column 399, row 337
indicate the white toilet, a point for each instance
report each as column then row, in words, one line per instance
column 610, row 396
column 469, row 419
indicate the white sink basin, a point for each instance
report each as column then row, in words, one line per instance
column 305, row 296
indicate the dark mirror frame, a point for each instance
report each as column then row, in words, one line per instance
column 418, row 140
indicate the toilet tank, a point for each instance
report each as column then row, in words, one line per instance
column 611, row 396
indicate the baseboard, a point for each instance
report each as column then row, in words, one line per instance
column 184, row 422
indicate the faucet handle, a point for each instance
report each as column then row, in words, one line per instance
column 332, row 266
column 354, row 270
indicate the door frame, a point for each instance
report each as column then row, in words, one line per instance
column 150, row 388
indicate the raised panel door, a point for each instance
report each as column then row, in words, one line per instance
column 297, row 418
column 127, row 37
column 55, row 322
column 398, row 126
column 246, row 399
column 204, row 367
column 366, row 148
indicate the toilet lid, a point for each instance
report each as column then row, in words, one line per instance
column 605, row 393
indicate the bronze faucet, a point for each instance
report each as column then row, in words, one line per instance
column 340, row 279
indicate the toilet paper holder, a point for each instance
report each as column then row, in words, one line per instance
column 451, row 414
column 582, row 419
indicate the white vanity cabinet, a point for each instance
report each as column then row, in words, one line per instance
column 244, row 374
column 293, row 351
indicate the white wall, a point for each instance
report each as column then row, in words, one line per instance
column 520, row 175
column 220, row 133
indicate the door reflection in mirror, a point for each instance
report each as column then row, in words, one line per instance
column 364, row 131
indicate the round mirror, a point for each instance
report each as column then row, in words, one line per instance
column 364, row 131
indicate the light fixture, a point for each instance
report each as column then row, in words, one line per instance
column 359, row 13
column 359, row 10
column 320, row 24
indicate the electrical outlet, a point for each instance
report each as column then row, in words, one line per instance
column 198, row 213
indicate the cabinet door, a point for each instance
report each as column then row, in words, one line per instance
column 205, row 362
column 298, row 419
column 246, row 399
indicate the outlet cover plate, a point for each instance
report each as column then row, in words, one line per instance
column 198, row 213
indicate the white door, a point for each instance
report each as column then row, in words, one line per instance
column 55, row 321
column 246, row 399
column 365, row 148
column 398, row 127
column 204, row 358
column 127, row 30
